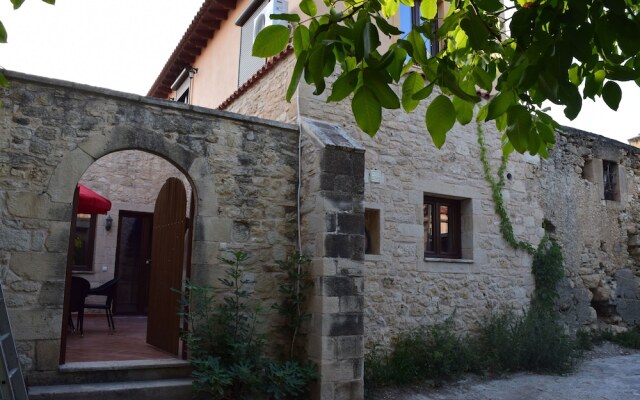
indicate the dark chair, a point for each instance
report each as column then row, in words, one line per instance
column 107, row 290
column 79, row 289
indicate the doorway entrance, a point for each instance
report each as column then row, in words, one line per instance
column 148, row 275
column 133, row 259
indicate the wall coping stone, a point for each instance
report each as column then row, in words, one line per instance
column 331, row 135
column 20, row 76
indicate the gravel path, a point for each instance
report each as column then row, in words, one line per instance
column 607, row 373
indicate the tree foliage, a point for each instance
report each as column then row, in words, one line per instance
column 523, row 52
column 4, row 36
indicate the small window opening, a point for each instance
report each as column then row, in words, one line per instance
column 372, row 231
column 83, row 242
column 610, row 180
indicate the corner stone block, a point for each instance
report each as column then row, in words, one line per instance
column 341, row 371
column 338, row 286
column 47, row 353
column 343, row 324
column 37, row 205
column 38, row 266
column 349, row 390
column 36, row 324
column 52, row 294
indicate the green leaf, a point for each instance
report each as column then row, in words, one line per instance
column 500, row 104
column 475, row 30
column 612, row 94
column 390, row 8
column 501, row 122
column 375, row 80
column 409, row 3
column 3, row 33
column 440, row 118
column 309, row 7
column 367, row 110
column 285, row 17
column 3, row 80
column 482, row 78
column 316, row 68
column 419, row 47
column 50, row 1
column 386, row 27
column 464, row 110
column 412, row 84
column 344, row 86
column 16, row 3
column 429, row 9
column 301, row 39
column 450, row 81
column 424, row 93
column 395, row 68
column 593, row 84
column 297, row 73
column 489, row 5
column 570, row 96
column 518, row 127
column 546, row 132
column 270, row 41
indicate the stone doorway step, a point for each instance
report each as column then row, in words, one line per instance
column 167, row 379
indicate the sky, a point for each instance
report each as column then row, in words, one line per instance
column 123, row 45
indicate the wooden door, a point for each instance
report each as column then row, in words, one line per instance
column 133, row 255
column 67, row 277
column 167, row 262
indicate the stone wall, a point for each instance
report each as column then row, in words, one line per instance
column 403, row 289
column 332, row 234
column 264, row 97
column 243, row 171
column 599, row 237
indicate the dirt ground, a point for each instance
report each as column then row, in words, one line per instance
column 608, row 372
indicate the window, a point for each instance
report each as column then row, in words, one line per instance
column 610, row 180
column 410, row 16
column 372, row 231
column 84, row 238
column 442, row 233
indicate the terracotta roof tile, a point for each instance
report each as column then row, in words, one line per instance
column 201, row 29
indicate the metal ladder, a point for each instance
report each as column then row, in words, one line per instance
column 12, row 385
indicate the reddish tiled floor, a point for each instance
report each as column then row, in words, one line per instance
column 128, row 342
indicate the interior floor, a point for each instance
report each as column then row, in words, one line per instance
column 127, row 342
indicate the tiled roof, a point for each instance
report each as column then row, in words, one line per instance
column 268, row 66
column 202, row 28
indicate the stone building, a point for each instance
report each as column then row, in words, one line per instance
column 399, row 232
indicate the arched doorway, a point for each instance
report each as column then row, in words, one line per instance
column 118, row 246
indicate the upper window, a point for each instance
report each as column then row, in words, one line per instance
column 442, row 233
column 610, row 180
column 410, row 16
column 83, row 241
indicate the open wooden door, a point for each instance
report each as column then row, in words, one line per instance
column 167, row 262
column 67, row 277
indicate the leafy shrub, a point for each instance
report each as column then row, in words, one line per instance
column 630, row 338
column 507, row 342
column 434, row 352
column 533, row 342
column 227, row 352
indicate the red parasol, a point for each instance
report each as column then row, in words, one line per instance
column 90, row 202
